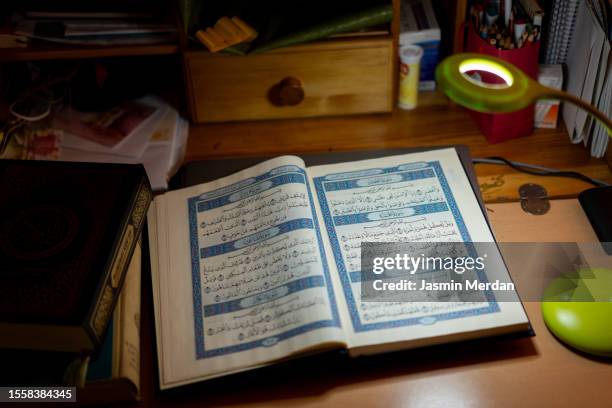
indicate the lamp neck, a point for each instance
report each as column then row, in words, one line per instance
column 549, row 93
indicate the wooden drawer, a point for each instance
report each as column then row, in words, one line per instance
column 335, row 77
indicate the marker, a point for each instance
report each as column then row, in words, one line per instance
column 492, row 15
column 519, row 29
column 507, row 9
column 479, row 8
column 483, row 33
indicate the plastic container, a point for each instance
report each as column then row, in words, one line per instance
column 410, row 68
column 499, row 127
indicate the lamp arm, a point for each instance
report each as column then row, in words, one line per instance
column 555, row 94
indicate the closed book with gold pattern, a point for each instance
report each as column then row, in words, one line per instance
column 67, row 235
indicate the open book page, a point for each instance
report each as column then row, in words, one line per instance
column 420, row 197
column 240, row 278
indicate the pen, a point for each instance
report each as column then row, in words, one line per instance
column 480, row 11
column 474, row 18
column 519, row 29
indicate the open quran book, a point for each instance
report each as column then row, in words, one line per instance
column 263, row 265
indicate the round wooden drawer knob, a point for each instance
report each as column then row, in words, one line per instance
column 288, row 92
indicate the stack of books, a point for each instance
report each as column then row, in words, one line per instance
column 70, row 261
column 114, row 374
column 109, row 375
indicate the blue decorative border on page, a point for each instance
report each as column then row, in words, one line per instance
column 422, row 170
column 235, row 192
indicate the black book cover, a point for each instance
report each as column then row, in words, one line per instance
column 67, row 233
column 597, row 205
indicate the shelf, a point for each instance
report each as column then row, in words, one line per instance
column 59, row 52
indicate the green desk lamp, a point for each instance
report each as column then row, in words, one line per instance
column 584, row 325
column 517, row 92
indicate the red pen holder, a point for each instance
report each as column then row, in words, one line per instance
column 498, row 127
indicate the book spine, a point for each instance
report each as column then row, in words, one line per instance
column 101, row 313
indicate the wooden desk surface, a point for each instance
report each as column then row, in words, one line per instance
column 435, row 122
column 537, row 371
column 526, row 372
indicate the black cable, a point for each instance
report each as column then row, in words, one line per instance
column 541, row 172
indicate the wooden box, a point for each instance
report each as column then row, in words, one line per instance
column 332, row 77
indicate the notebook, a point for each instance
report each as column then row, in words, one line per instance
column 561, row 25
column 589, row 77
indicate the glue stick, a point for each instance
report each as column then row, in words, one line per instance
column 410, row 67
